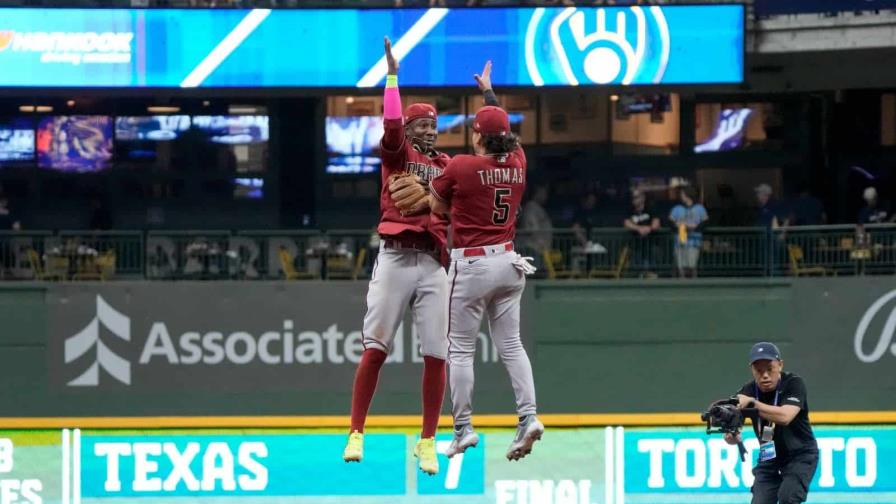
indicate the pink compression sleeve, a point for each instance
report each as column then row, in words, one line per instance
column 391, row 99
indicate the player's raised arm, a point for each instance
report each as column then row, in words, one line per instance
column 484, row 81
column 393, row 135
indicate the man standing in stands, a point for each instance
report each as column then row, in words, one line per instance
column 644, row 224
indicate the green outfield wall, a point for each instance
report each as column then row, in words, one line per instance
column 275, row 348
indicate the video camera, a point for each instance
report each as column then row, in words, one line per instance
column 725, row 418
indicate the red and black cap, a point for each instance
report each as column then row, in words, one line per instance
column 491, row 120
column 419, row 111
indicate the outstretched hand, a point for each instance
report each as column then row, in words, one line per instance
column 390, row 60
column 485, row 79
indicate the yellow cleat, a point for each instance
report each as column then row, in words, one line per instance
column 354, row 449
column 425, row 451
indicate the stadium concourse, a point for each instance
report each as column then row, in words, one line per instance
column 207, row 268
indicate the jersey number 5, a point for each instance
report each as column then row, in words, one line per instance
column 502, row 206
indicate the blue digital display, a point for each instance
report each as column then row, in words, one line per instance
column 16, row 140
column 447, row 122
column 353, row 144
column 693, row 44
column 728, row 133
column 150, row 128
column 234, row 129
column 248, row 188
column 76, row 144
column 142, row 137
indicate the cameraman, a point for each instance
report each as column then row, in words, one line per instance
column 788, row 453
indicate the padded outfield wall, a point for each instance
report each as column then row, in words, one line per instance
column 280, row 349
column 198, row 392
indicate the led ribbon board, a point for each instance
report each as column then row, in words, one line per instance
column 261, row 48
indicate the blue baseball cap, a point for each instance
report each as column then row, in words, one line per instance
column 764, row 351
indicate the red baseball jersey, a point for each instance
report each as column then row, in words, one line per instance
column 400, row 156
column 484, row 193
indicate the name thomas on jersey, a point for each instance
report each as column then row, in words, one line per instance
column 502, row 176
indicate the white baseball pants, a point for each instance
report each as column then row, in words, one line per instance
column 405, row 278
column 486, row 284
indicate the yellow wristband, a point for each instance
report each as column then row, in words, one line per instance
column 391, row 81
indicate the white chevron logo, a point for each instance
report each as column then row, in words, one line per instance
column 81, row 343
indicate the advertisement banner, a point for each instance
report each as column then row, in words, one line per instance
column 31, row 467
column 260, row 348
column 570, row 466
column 291, row 348
column 256, row 48
column 685, row 465
column 843, row 342
column 298, row 467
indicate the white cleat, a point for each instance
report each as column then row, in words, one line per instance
column 526, row 435
column 466, row 438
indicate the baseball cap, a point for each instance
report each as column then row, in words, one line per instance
column 869, row 194
column 764, row 351
column 419, row 111
column 676, row 182
column 491, row 120
column 763, row 189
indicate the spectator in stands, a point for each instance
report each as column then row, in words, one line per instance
column 8, row 220
column 643, row 223
column 689, row 217
column 807, row 210
column 535, row 223
column 664, row 206
column 874, row 211
column 586, row 217
column 771, row 214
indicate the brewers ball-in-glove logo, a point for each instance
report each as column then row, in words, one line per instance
column 597, row 46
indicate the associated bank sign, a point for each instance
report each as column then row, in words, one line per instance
column 125, row 340
column 88, row 341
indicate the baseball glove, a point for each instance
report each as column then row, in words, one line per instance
column 408, row 193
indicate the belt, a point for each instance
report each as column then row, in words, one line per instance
column 487, row 250
column 390, row 243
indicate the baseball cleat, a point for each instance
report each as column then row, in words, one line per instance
column 425, row 451
column 354, row 449
column 527, row 433
column 463, row 439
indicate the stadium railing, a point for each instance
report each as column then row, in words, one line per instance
column 610, row 253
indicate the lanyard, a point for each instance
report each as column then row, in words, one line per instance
column 756, row 392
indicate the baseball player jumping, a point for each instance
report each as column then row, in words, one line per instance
column 482, row 193
column 408, row 271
